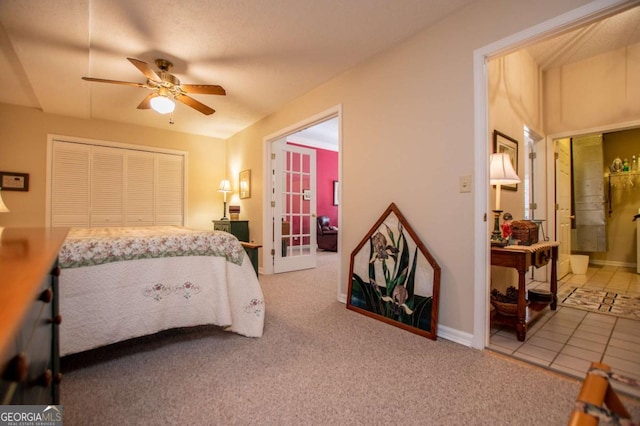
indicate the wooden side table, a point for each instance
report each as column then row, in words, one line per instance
column 252, row 251
column 521, row 258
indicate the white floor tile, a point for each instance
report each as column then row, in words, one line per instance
column 587, row 355
column 594, row 330
column 537, row 352
column 587, row 344
column 624, row 367
column 574, row 363
column 506, row 343
column 568, row 340
column 531, row 359
column 545, row 343
column 578, row 374
column 591, row 337
column 625, row 354
column 624, row 344
column 624, row 335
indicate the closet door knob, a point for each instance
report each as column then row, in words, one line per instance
column 46, row 296
column 17, row 368
column 57, row 320
column 44, row 379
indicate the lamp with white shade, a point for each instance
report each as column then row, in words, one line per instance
column 3, row 206
column 501, row 172
column 225, row 187
column 3, row 209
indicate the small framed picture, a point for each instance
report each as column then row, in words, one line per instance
column 335, row 192
column 10, row 181
column 306, row 194
column 245, row 184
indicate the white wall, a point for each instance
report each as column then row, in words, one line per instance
column 408, row 135
column 592, row 93
column 514, row 102
column 23, row 149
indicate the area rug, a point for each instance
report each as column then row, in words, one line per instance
column 602, row 301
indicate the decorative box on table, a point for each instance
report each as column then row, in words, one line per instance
column 524, row 230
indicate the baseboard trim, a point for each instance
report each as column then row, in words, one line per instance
column 455, row 336
column 444, row 332
column 613, row 263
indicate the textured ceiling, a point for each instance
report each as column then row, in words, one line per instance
column 615, row 32
column 264, row 53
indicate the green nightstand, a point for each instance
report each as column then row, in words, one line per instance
column 239, row 228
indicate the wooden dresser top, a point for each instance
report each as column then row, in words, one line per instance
column 26, row 257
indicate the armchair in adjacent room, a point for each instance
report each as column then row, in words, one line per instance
column 327, row 234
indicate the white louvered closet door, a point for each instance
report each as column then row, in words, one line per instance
column 70, row 184
column 169, row 189
column 140, row 188
column 107, row 182
column 95, row 185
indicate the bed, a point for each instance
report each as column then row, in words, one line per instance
column 120, row 283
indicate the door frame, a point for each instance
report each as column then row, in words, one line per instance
column 590, row 12
column 267, row 216
column 551, row 188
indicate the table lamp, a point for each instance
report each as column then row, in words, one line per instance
column 225, row 186
column 3, row 209
column 3, row 206
column 500, row 173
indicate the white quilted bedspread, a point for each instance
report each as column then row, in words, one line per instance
column 109, row 302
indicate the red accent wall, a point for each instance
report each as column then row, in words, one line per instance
column 327, row 172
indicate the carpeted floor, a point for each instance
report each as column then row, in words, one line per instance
column 316, row 364
column 602, row 301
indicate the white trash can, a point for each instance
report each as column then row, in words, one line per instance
column 579, row 264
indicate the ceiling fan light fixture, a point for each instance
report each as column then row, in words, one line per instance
column 162, row 104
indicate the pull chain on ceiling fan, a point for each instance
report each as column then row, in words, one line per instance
column 165, row 87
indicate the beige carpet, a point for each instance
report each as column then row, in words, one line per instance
column 317, row 364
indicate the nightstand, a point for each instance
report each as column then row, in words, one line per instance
column 239, row 228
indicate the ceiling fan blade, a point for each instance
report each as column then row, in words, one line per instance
column 145, row 69
column 146, row 102
column 189, row 101
column 125, row 83
column 204, row 89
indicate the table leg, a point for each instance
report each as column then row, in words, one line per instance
column 554, row 278
column 521, row 326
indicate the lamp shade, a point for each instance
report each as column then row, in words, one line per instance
column 162, row 104
column 3, row 206
column 501, row 170
column 225, row 186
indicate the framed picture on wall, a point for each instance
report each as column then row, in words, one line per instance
column 335, row 192
column 245, row 184
column 504, row 143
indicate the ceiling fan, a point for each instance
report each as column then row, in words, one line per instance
column 166, row 87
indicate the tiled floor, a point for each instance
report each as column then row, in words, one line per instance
column 568, row 340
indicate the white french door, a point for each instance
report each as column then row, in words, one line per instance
column 294, row 207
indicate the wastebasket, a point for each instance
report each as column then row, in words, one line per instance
column 579, row 264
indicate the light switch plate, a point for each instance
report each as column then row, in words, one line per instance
column 465, row 183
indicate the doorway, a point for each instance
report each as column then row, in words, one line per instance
column 590, row 12
column 296, row 190
column 617, row 204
